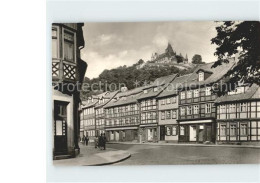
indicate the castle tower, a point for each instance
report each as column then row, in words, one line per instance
column 169, row 49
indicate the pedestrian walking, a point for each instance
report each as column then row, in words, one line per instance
column 86, row 140
column 83, row 139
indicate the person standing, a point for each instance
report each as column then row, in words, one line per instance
column 86, row 140
column 83, row 139
column 96, row 141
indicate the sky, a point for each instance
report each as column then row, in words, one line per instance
column 110, row 45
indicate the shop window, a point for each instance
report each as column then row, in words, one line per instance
column 174, row 130
column 223, row 130
column 168, row 130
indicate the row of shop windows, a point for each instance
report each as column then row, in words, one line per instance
column 169, row 114
column 171, row 130
column 167, row 101
column 233, row 130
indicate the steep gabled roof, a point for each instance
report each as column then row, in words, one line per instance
column 216, row 74
column 109, row 96
column 171, row 89
column 248, row 94
column 160, row 84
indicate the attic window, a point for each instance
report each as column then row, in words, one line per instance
column 201, row 76
column 145, row 91
column 155, row 89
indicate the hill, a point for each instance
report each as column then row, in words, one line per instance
column 132, row 76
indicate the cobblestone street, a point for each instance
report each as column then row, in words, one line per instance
column 144, row 154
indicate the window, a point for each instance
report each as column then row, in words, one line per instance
column 163, row 101
column 243, row 107
column 189, row 94
column 155, row 89
column 168, row 130
column 208, row 91
column 208, row 108
column 233, row 128
column 243, row 129
column 196, row 109
column 182, row 130
column 168, row 100
column 189, row 110
column 54, row 43
column 174, row 130
column 183, row 95
column 168, row 114
column 182, row 111
column 223, row 130
column 69, row 47
column 196, row 93
column 223, row 109
column 232, row 108
column 163, row 115
column 201, row 76
column 145, row 91
column 173, row 99
column 174, row 114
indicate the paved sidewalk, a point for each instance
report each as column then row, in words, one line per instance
column 199, row 145
column 89, row 156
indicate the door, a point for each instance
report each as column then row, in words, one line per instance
column 150, row 134
column 60, row 128
column 193, row 133
column 208, row 136
column 117, row 135
column 162, row 132
column 201, row 133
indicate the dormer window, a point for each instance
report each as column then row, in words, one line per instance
column 145, row 91
column 155, row 89
column 201, row 76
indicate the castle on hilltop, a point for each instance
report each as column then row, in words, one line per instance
column 169, row 56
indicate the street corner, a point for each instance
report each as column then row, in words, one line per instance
column 91, row 156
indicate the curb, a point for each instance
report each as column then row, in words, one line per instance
column 195, row 145
column 112, row 162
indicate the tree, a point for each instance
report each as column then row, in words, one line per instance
column 197, row 59
column 241, row 39
column 179, row 59
column 140, row 62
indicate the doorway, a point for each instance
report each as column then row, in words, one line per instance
column 150, row 134
column 193, row 133
column 60, row 128
column 162, row 132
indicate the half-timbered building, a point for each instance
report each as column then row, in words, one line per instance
column 68, row 71
column 238, row 116
column 149, row 109
column 102, row 99
column 123, row 116
column 168, row 110
column 197, row 111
